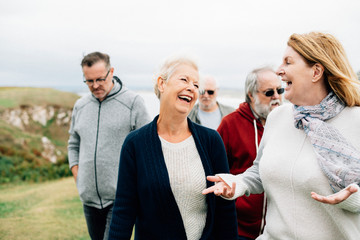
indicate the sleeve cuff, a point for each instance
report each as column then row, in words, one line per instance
column 352, row 203
column 240, row 189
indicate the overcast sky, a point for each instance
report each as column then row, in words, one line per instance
column 42, row 42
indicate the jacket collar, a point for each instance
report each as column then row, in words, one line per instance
column 118, row 85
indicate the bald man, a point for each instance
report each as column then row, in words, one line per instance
column 209, row 112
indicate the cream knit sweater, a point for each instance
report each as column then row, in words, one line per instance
column 187, row 180
column 286, row 168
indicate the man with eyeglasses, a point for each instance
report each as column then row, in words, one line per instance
column 100, row 122
column 209, row 112
column 241, row 132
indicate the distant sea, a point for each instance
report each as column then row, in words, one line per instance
column 228, row 97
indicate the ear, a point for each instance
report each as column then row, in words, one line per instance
column 318, row 72
column 160, row 84
column 251, row 97
column 111, row 72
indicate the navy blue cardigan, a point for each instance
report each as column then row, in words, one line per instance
column 144, row 195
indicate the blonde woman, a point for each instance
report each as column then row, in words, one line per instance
column 308, row 162
column 163, row 168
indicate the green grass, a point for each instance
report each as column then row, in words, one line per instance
column 20, row 149
column 28, row 210
column 42, row 211
column 16, row 208
column 7, row 103
column 19, row 97
column 28, row 96
column 50, row 210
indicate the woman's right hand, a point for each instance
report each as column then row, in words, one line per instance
column 220, row 187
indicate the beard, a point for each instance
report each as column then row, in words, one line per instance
column 210, row 103
column 263, row 110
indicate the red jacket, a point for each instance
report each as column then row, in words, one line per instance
column 239, row 136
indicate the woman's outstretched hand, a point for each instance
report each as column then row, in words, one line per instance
column 220, row 187
column 336, row 197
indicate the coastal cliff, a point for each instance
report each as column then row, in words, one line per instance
column 34, row 124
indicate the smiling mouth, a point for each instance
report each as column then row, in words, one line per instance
column 185, row 98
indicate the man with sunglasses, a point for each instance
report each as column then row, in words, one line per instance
column 100, row 122
column 209, row 112
column 241, row 132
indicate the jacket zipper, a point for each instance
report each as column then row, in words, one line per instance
column 97, row 136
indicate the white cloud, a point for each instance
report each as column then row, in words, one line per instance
column 43, row 41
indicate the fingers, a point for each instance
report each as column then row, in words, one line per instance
column 233, row 186
column 353, row 189
column 229, row 192
column 331, row 199
column 226, row 192
column 220, row 187
column 212, row 188
column 213, row 178
column 209, row 190
column 336, row 197
column 317, row 197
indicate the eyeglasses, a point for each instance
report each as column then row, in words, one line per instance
column 271, row 92
column 99, row 81
column 210, row 92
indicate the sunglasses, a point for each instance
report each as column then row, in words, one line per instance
column 210, row 92
column 271, row 92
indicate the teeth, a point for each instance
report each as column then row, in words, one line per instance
column 186, row 98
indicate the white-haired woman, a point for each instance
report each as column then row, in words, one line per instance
column 163, row 168
column 308, row 148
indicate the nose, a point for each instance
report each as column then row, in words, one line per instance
column 275, row 96
column 95, row 84
column 191, row 87
column 280, row 71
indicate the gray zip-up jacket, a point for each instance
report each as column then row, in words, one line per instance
column 97, row 132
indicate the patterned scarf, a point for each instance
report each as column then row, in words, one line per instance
column 338, row 159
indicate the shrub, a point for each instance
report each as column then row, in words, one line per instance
column 16, row 169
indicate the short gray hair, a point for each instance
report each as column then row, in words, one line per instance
column 251, row 83
column 204, row 79
column 168, row 68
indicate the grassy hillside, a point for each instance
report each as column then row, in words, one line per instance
column 21, row 160
column 13, row 97
column 42, row 211
column 31, row 206
column 50, row 210
column 21, row 150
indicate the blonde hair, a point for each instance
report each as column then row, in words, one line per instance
column 317, row 47
column 168, row 68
